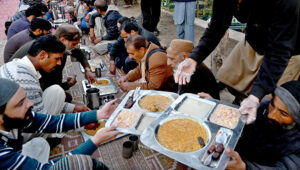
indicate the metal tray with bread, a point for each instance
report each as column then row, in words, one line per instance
column 104, row 84
column 214, row 125
column 139, row 108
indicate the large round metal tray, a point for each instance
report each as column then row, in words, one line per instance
column 180, row 116
column 153, row 94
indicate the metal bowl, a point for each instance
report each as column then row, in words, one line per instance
column 180, row 116
column 153, row 94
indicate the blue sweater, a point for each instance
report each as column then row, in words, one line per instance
column 43, row 123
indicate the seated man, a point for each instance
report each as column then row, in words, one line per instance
column 83, row 21
column 38, row 10
column 38, row 27
column 70, row 37
column 110, row 17
column 152, row 71
column 202, row 80
column 16, row 117
column 272, row 141
column 128, row 28
column 44, row 54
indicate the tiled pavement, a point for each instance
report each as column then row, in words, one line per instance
column 7, row 9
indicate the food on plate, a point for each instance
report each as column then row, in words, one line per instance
column 220, row 148
column 93, row 67
column 97, row 61
column 181, row 135
column 126, row 119
column 195, row 108
column 216, row 155
column 145, row 122
column 129, row 103
column 225, row 116
column 92, row 128
column 211, row 149
column 101, row 82
column 155, row 103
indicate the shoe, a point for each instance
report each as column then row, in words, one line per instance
column 156, row 32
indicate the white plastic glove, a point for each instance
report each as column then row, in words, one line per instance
column 185, row 70
column 249, row 108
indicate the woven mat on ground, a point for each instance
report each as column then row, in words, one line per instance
column 111, row 153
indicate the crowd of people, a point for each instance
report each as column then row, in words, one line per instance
column 36, row 107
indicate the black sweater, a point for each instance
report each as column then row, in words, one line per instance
column 272, row 30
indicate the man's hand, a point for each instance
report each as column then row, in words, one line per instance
column 107, row 110
column 71, row 81
column 92, row 34
column 104, row 134
column 121, row 80
column 96, row 41
column 204, row 95
column 249, row 108
column 87, row 18
column 91, row 77
column 185, row 70
column 80, row 108
column 112, row 67
column 235, row 162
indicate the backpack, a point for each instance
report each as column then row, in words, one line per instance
column 150, row 54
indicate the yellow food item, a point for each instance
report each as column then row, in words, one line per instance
column 181, row 135
column 155, row 103
column 225, row 116
column 93, row 132
column 126, row 119
column 100, row 83
column 93, row 67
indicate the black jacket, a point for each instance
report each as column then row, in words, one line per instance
column 119, row 45
column 272, row 30
column 110, row 22
column 266, row 146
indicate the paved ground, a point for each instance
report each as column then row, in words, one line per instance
column 7, row 9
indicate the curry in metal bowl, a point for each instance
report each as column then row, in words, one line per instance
column 155, row 103
column 182, row 135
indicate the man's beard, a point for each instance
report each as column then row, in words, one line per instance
column 17, row 123
column 175, row 70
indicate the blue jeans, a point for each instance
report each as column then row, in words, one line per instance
column 124, row 61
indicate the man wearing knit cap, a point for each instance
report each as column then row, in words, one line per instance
column 273, row 140
column 202, row 80
column 16, row 116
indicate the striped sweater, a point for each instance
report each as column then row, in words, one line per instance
column 22, row 71
column 43, row 123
